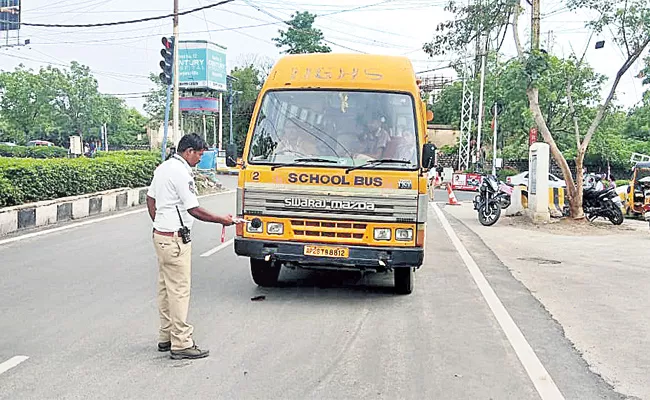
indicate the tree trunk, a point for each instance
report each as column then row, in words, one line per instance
column 575, row 200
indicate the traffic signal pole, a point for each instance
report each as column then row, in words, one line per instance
column 176, row 77
column 166, row 126
column 167, row 77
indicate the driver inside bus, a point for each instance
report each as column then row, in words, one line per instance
column 295, row 140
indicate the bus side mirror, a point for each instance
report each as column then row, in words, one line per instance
column 428, row 155
column 231, row 155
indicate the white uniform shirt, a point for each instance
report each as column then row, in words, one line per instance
column 172, row 186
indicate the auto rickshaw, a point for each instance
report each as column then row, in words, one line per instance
column 638, row 193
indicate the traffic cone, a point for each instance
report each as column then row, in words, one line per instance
column 452, row 197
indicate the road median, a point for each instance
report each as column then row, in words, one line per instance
column 51, row 212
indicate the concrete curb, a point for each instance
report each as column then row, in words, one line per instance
column 50, row 212
column 227, row 172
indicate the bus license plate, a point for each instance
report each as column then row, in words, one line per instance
column 324, row 251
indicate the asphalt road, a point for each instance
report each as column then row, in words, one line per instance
column 80, row 304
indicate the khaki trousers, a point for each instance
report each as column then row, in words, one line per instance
column 174, row 282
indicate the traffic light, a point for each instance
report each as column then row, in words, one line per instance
column 167, row 62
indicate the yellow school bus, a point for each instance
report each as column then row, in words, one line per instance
column 333, row 172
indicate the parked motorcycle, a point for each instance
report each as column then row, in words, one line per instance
column 601, row 202
column 492, row 198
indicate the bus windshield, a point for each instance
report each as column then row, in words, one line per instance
column 335, row 128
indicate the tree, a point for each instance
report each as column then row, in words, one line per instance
column 505, row 82
column 248, row 81
column 25, row 104
column 262, row 63
column 77, row 99
column 154, row 104
column 301, row 36
column 630, row 22
column 124, row 124
column 53, row 104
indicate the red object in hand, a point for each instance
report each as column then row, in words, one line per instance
column 223, row 234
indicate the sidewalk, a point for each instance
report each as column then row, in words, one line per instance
column 595, row 281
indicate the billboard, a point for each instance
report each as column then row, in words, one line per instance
column 202, row 65
column 199, row 104
column 9, row 15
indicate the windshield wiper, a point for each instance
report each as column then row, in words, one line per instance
column 302, row 160
column 379, row 161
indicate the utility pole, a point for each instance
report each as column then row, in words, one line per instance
column 214, row 131
column 494, row 139
column 220, row 121
column 534, row 41
column 230, row 105
column 479, row 125
column 176, row 77
column 105, row 136
column 205, row 129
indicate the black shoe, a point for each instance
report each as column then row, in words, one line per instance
column 164, row 346
column 190, row 353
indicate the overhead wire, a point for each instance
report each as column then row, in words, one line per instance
column 132, row 21
column 112, row 75
column 250, row 3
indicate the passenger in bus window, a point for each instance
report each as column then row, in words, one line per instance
column 376, row 137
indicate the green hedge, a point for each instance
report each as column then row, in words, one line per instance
column 503, row 174
column 130, row 153
column 29, row 180
column 33, row 151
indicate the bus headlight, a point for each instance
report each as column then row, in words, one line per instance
column 275, row 228
column 382, row 234
column 255, row 226
column 404, row 235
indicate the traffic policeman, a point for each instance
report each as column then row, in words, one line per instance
column 173, row 206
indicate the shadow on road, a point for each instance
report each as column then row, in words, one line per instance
column 331, row 284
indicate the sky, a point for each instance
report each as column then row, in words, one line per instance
column 121, row 57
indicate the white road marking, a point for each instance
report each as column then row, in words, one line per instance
column 88, row 222
column 10, row 363
column 533, row 366
column 218, row 248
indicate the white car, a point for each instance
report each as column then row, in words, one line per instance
column 522, row 179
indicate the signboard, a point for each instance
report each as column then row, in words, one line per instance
column 466, row 181
column 9, row 15
column 202, row 65
column 75, row 145
column 199, row 104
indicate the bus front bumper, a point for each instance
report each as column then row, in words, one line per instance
column 359, row 256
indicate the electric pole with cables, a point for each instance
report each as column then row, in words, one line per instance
column 479, row 124
column 535, row 17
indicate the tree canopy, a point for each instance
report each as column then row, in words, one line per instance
column 569, row 94
column 301, row 36
column 53, row 104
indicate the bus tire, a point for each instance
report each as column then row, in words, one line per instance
column 264, row 273
column 404, row 280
